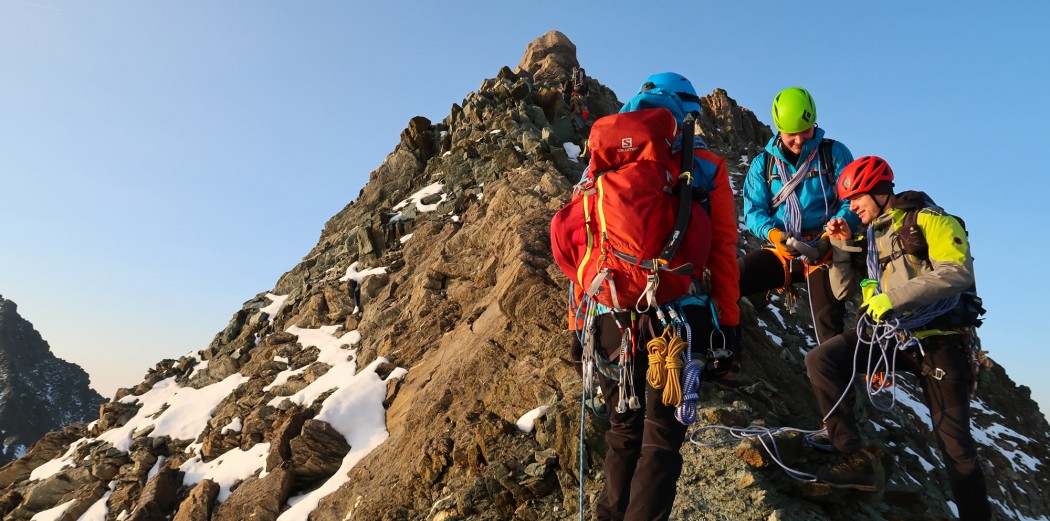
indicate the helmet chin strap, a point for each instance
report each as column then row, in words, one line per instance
column 885, row 202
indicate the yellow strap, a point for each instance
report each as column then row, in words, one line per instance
column 590, row 240
column 926, row 333
column 601, row 205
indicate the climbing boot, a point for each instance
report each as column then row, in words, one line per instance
column 857, row 471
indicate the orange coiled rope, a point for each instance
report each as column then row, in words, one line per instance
column 665, row 365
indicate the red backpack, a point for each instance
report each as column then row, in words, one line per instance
column 626, row 238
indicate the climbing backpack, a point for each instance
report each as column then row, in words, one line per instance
column 913, row 242
column 632, row 236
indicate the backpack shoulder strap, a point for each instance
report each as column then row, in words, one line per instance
column 827, row 159
column 771, row 172
column 827, row 162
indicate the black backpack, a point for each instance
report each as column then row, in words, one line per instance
column 913, row 242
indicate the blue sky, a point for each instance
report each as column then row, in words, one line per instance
column 163, row 162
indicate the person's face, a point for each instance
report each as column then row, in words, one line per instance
column 794, row 142
column 865, row 207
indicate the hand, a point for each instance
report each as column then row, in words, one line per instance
column 878, row 307
column 777, row 238
column 838, row 229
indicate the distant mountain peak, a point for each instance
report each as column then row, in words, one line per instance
column 39, row 393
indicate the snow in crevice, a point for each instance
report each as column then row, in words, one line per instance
column 276, row 303
column 417, row 200
column 358, row 276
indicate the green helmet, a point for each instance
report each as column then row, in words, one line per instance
column 794, row 110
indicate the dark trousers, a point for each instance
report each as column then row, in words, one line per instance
column 644, row 459
column 832, row 363
column 762, row 271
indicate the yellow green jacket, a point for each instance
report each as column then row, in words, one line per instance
column 909, row 280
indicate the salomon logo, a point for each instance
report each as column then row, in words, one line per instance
column 627, row 145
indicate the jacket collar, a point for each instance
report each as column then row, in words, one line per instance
column 773, row 149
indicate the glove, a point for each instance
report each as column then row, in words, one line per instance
column 878, row 307
column 777, row 238
column 867, row 289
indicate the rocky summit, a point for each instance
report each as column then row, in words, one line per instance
column 39, row 393
column 415, row 365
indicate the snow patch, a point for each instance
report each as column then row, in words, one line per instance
column 276, row 303
column 98, row 511
column 342, row 362
column 527, row 420
column 53, row 514
column 234, row 465
column 235, row 425
column 1007, row 442
column 358, row 276
column 417, row 199
column 926, row 465
column 156, row 467
column 54, row 466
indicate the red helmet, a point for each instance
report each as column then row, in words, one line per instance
column 865, row 175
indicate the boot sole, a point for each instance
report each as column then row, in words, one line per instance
column 862, row 488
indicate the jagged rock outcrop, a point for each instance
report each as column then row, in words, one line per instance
column 39, row 392
column 435, row 294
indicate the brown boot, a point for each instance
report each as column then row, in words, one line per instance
column 857, row 471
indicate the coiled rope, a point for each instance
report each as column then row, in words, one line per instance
column 665, row 365
column 686, row 411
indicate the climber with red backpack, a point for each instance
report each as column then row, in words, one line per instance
column 789, row 196
column 913, row 268
column 649, row 244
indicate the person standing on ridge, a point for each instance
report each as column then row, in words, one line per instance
column 643, row 461
column 789, row 196
column 920, row 271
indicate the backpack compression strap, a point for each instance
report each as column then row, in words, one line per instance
column 685, row 190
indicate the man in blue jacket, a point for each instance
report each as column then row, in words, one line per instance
column 789, row 196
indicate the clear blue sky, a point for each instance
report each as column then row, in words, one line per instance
column 163, row 162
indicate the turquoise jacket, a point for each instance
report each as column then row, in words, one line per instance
column 817, row 196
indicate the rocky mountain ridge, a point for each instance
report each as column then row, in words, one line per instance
column 39, row 392
column 434, row 293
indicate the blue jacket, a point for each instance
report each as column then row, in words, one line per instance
column 820, row 203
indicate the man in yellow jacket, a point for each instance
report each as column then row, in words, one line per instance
column 918, row 274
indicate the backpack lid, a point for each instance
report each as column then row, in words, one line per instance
column 640, row 135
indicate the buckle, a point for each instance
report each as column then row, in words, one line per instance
column 936, row 372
